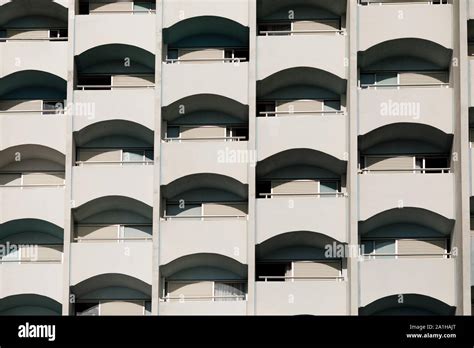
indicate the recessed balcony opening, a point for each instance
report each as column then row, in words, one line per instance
column 112, row 294
column 197, row 41
column 299, row 256
column 203, row 278
column 22, row 21
column 406, row 233
column 30, row 241
column 405, row 63
column 470, row 38
column 114, row 143
column 289, row 175
column 32, row 93
column 115, row 66
column 287, row 19
column 94, row 7
column 31, row 166
column 412, row 305
column 301, row 92
column 205, row 118
column 29, row 304
column 404, row 148
column 113, row 220
column 205, row 197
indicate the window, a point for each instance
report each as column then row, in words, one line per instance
column 229, row 291
column 144, row 6
column 58, row 34
column 329, row 186
column 266, row 108
column 273, row 272
column 332, row 105
column 371, row 79
column 379, row 248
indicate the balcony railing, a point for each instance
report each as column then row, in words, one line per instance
column 125, row 155
column 56, row 34
column 380, row 2
column 296, row 32
column 47, row 107
column 229, row 55
column 311, row 112
column 110, row 87
column 120, row 233
column 404, row 170
column 225, row 139
column 202, row 207
column 396, row 255
column 308, row 194
column 285, row 278
column 22, row 179
column 31, row 254
column 234, row 292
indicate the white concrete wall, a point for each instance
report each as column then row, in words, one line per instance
column 133, row 181
column 302, row 297
column 429, row 106
column 424, row 276
column 184, row 237
column 327, row 134
column 326, row 215
column 190, row 157
column 129, row 258
column 383, row 23
column 385, row 191
column 276, row 53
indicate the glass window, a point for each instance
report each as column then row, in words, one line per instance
column 367, row 247
column 387, row 79
column 173, row 54
column 367, row 79
column 328, row 186
column 143, row 6
column 385, row 247
column 172, row 132
column 332, row 105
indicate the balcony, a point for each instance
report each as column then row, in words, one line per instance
column 17, row 129
column 203, row 308
column 115, row 28
column 45, row 279
column 89, row 259
column 180, row 237
column 133, row 181
column 47, row 56
column 137, row 105
column 405, row 20
column 193, row 157
column 277, row 53
column 311, row 297
column 385, row 191
column 325, row 133
column 326, row 215
column 383, row 106
column 233, row 10
column 431, row 277
column 471, row 80
column 225, row 79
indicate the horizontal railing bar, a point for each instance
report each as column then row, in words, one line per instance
column 270, row 32
column 171, row 61
column 110, row 86
column 204, row 138
column 405, row 170
column 289, row 277
column 435, row 254
column 202, row 216
column 405, row 85
column 267, row 113
column 113, row 162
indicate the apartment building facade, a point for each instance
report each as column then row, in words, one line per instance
column 238, row 157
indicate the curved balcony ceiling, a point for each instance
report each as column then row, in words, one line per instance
column 31, row 82
column 11, row 10
column 102, row 281
column 206, row 31
column 301, row 76
column 305, row 157
column 204, row 180
column 400, row 132
column 29, row 300
column 425, row 304
column 266, row 8
column 293, row 239
column 204, row 259
column 205, row 102
column 405, row 50
column 408, row 215
column 31, row 151
column 30, row 225
column 113, row 128
column 100, row 56
column 108, row 203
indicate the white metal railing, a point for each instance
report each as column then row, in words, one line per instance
column 406, row 85
column 148, row 11
column 379, row 2
column 204, row 217
column 210, row 297
column 266, row 278
column 318, row 112
column 59, row 111
column 413, row 170
column 82, row 163
column 110, row 87
column 24, row 255
column 290, row 32
column 8, row 39
column 398, row 255
column 309, row 194
column 120, row 230
column 21, row 176
column 223, row 60
column 226, row 139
